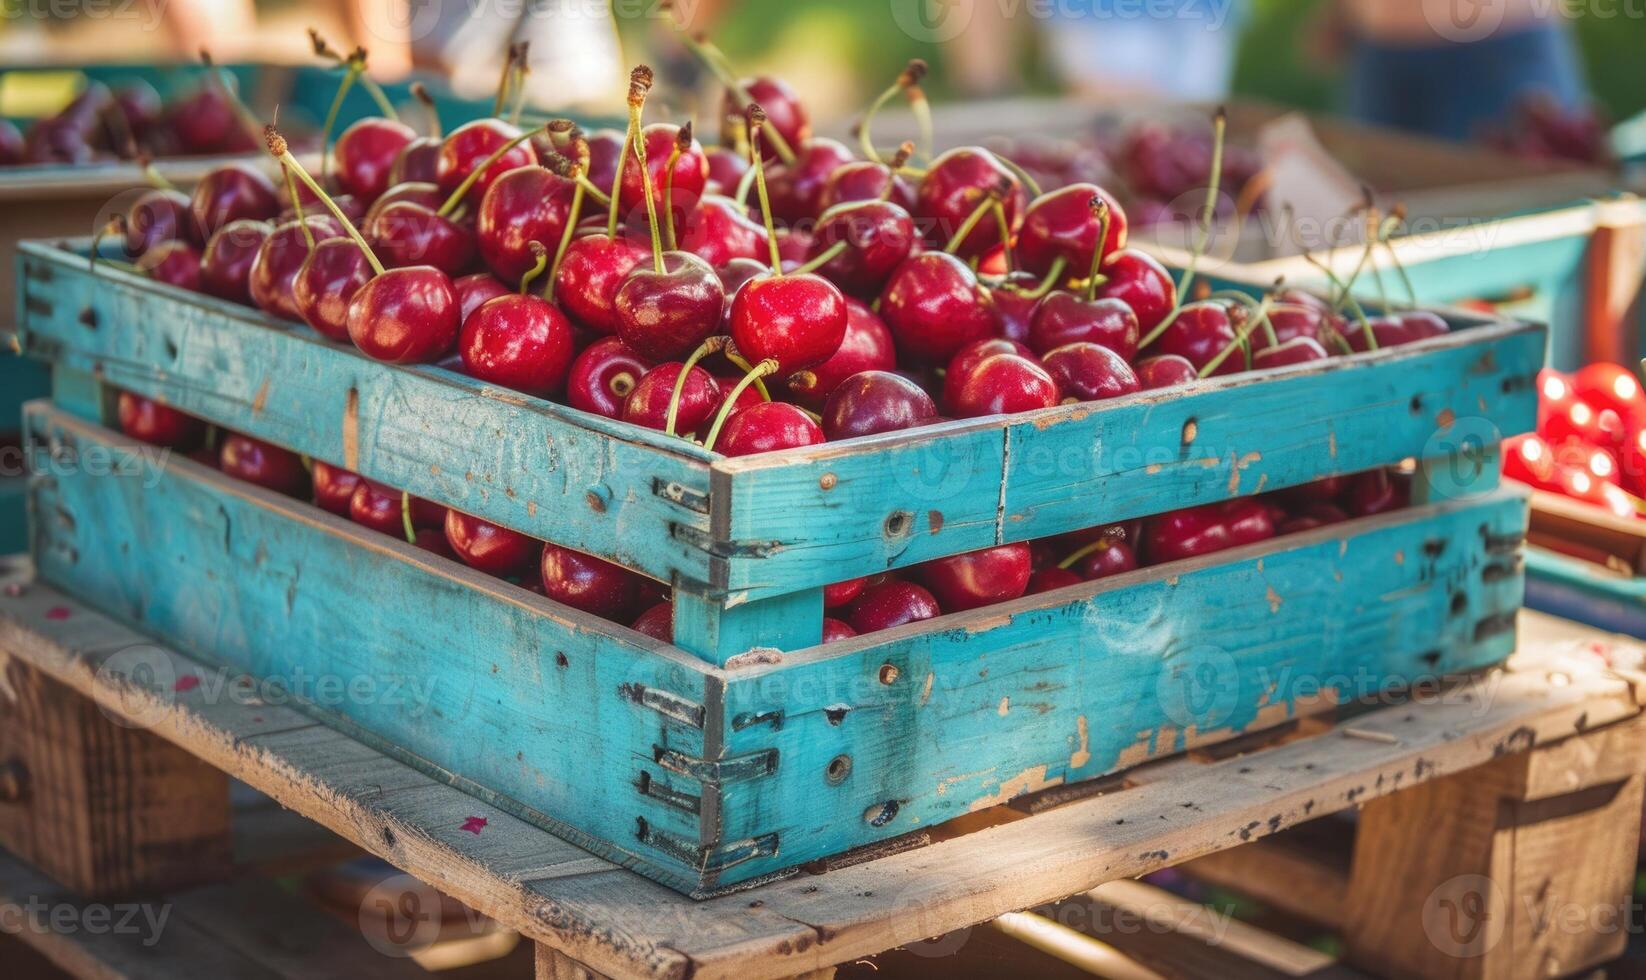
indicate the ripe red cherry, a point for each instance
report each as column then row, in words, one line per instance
column 842, row 593
column 1051, row 579
column 797, row 188
column 232, row 192
column 954, row 184
column 605, row 147
column 834, row 630
column 467, row 146
column 648, row 404
column 1421, row 324
column 474, row 289
column 1298, row 350
column 1087, row 372
column 656, row 622
column 272, row 278
column 406, row 234
column 795, row 320
column 767, row 427
column 1015, row 307
column 156, row 216
column 530, row 204
column 425, row 193
column 978, row 578
column 1064, row 318
column 691, row 173
column 384, row 509
column 1375, row 492
column 150, row 421
column 878, row 235
column 326, row 284
column 1142, row 283
column 934, row 306
column 175, row 263
column 717, row 231
column 667, row 313
column 334, row 487
column 1165, row 371
column 966, row 361
column 784, row 110
column 794, row 245
column 1205, row 529
column 405, row 316
column 347, row 203
column 602, row 377
column 873, row 402
column 1005, row 384
column 225, row 266
column 867, row 346
column 1387, row 331
column 1110, row 556
column 1199, row 333
column 491, row 549
column 726, row 170
column 417, row 161
column 891, row 604
column 1311, row 517
column 587, row 583
column 366, row 153
column 865, row 180
column 591, row 273
column 519, row 341
column 267, row 466
column 1061, row 224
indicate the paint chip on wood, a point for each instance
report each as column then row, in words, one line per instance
column 261, row 398
column 1083, row 753
column 1030, row 780
column 926, row 689
column 1005, row 706
column 57, row 612
column 474, row 825
column 1274, row 599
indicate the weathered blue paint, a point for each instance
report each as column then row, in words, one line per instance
column 1582, row 591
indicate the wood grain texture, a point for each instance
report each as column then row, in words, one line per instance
column 622, row 925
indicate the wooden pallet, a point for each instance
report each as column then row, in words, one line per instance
column 1544, row 752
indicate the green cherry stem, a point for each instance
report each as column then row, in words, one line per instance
column 579, row 191
column 757, row 129
column 1027, row 179
column 406, row 517
column 1100, row 209
column 908, row 78
column 505, row 80
column 1220, row 127
column 640, row 82
column 742, row 365
column 712, row 345
column 462, row 189
column 282, row 152
column 710, row 57
column 682, row 143
column 1086, row 552
column 990, row 197
column 1054, row 275
column 541, row 255
column 763, row 369
column 522, row 72
column 1241, row 341
column 820, row 260
column 297, row 206
column 1005, row 227
column 420, row 92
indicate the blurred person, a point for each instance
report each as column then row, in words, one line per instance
column 1453, row 69
column 1180, row 50
column 575, row 56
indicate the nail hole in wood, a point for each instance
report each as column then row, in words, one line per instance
column 839, row 768
column 171, row 349
column 560, row 660
column 888, row 674
column 1417, row 405
column 898, row 523
column 388, row 836
column 641, row 827
column 88, row 317
column 596, row 504
column 881, row 814
column 1190, row 430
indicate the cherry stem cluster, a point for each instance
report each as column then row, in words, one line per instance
column 280, row 151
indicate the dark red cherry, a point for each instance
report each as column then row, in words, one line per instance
column 519, row 341
column 347, row 203
column 1005, row 384
column 326, row 284
column 784, row 111
column 1051, row 579
column 796, row 320
column 1165, row 371
column 232, row 192
column 1064, row 318
column 691, row 173
column 891, row 604
column 954, row 184
column 175, row 263
column 1250, row 521
column 425, row 193
column 591, row 273
column 835, row 630
column 934, row 306
column 978, row 578
column 273, row 275
column 717, row 231
column 1298, row 350
column 1015, row 302
column 476, row 288
column 767, row 427
column 966, row 361
column 271, row 467
column 1386, row 330
column 865, row 180
column 1375, row 492
column 656, row 622
column 1421, row 324
column 156, row 216
column 365, row 154
column 200, row 119
column 796, row 189
column 405, row 234
column 383, row 509
column 1061, row 224
column 648, row 404
column 526, row 205
column 467, row 146
column 334, row 487
column 878, row 236
column 605, row 146
column 1087, row 372
column 417, row 161
column 794, row 245
column 150, row 421
column 602, row 377
column 666, row 314
column 867, row 346
column 726, row 170
column 587, row 583
column 225, row 265
column 486, row 546
column 405, row 316
column 1205, row 529
column 1199, row 333
column 1112, row 556
column 842, row 593
column 1311, row 517
column 873, row 402
column 1142, row 283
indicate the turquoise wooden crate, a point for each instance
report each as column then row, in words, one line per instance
column 755, row 750
column 1578, row 590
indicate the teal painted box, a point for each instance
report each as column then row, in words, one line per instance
column 746, row 749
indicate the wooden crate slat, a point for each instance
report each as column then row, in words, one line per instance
column 825, row 514
column 541, row 468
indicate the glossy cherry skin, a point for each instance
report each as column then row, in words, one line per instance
column 796, row 190
column 467, row 146
column 767, row 427
column 231, row 192
column 1421, row 324
column 161, row 425
column 418, row 161
column 1298, row 350
column 587, row 583
column 365, row 154
column 726, row 170
column 865, row 180
column 405, row 316
column 383, row 509
column 1191, row 532
column 835, row 630
column 797, row 321
column 1142, row 283
column 784, row 111
column 842, row 593
column 333, row 487
column 648, row 404
column 656, row 622
column 954, row 184
column 1060, row 224
column 867, row 346
column 1114, row 557
column 1375, row 492
column 1386, row 331
column 717, row 231
column 891, row 604
column 159, row 215
column 475, row 289
column 605, row 146
column 255, row 461
column 1051, row 579
column 518, row 341
column 591, row 273
column 978, row 578
column 326, row 284
column 691, row 173
column 1311, row 517
column 1015, row 307
column 1087, row 372
column 603, row 375
column 666, row 314
column 405, row 234
column 873, row 402
column 1199, row 333
column 879, row 235
column 175, row 263
column 273, row 275
column 424, row 193
column 225, row 265
column 489, row 548
column 1165, row 371
column 200, row 119
column 966, row 361
column 1064, row 318
column 530, row 204
column 350, row 205
column 1005, row 384
column 934, row 306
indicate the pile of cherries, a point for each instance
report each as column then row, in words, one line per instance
column 1590, row 442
